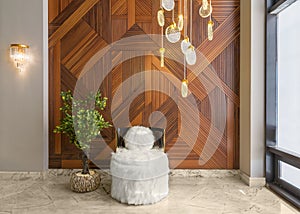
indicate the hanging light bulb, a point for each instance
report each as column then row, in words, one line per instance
column 173, row 33
column 210, row 30
column 190, row 55
column 168, row 4
column 161, row 17
column 180, row 22
column 185, row 44
column 162, row 56
column 205, row 10
column 184, row 88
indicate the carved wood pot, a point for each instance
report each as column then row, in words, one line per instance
column 85, row 182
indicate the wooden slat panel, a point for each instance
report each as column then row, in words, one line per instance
column 71, row 21
column 62, row 15
column 143, row 7
column 79, row 29
column 119, row 7
column 75, row 39
column 53, row 9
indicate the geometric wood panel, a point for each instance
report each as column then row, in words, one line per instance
column 80, row 28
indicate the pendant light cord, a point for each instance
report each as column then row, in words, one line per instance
column 162, row 29
column 185, row 34
column 180, row 4
column 211, row 11
column 191, row 20
column 162, row 36
column 185, row 17
column 173, row 16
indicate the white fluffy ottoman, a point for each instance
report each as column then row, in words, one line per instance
column 139, row 177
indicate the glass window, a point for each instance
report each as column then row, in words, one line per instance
column 283, row 98
column 290, row 174
column 289, row 78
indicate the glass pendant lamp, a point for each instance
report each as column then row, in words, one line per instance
column 205, row 10
column 173, row 33
column 210, row 30
column 180, row 22
column 190, row 55
column 185, row 44
column 168, row 4
column 162, row 56
column 161, row 17
column 184, row 88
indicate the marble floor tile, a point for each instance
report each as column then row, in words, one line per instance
column 208, row 195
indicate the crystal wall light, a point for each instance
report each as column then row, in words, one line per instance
column 19, row 53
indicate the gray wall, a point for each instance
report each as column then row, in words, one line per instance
column 252, row 88
column 23, row 96
column 23, row 105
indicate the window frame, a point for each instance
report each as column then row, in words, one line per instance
column 273, row 153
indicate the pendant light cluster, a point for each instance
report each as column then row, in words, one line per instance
column 173, row 32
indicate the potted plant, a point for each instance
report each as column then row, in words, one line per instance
column 82, row 122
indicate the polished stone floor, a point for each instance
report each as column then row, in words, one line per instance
column 31, row 194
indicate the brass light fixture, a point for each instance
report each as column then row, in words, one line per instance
column 19, row 53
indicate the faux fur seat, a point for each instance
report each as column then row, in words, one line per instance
column 139, row 173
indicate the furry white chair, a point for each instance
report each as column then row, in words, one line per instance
column 139, row 167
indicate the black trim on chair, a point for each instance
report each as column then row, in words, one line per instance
column 158, row 133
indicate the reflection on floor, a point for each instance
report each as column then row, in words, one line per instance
column 28, row 194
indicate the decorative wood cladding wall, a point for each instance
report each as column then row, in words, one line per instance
column 80, row 28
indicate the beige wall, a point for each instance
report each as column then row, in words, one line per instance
column 23, row 105
column 252, row 88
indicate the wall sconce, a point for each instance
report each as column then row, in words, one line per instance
column 19, row 54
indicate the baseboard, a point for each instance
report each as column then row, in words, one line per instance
column 252, row 181
column 205, row 173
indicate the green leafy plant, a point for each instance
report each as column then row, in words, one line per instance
column 82, row 121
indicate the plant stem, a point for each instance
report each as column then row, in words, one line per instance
column 85, row 164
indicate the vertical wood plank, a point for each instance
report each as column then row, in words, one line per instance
column 106, row 22
column 53, row 9
column 230, row 134
column 236, row 151
column 156, row 29
column 131, row 13
column 57, row 89
column 148, row 83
